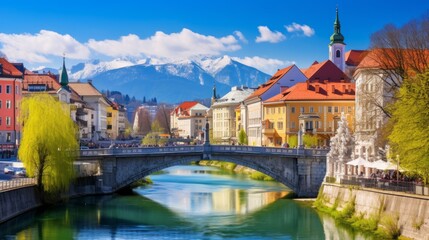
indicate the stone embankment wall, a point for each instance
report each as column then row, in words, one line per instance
column 410, row 211
column 17, row 201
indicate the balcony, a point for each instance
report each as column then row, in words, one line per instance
column 268, row 127
column 268, row 131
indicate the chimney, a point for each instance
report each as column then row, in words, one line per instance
column 326, row 81
column 344, row 88
column 333, row 88
column 90, row 81
column 308, row 84
column 349, row 88
column 317, row 88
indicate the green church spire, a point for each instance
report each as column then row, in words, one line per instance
column 64, row 78
column 337, row 37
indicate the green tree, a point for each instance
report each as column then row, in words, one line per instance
column 410, row 129
column 293, row 141
column 310, row 140
column 242, row 137
column 49, row 142
column 153, row 137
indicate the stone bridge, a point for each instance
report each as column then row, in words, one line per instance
column 302, row 170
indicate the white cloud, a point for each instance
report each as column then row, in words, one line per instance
column 40, row 46
column 175, row 45
column 305, row 29
column 269, row 36
column 240, row 36
column 267, row 65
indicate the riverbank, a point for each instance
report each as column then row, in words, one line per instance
column 390, row 215
column 253, row 174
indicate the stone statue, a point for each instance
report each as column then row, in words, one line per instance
column 341, row 150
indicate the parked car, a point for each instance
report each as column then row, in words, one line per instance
column 84, row 148
column 20, row 172
column 9, row 170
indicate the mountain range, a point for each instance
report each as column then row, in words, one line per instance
column 168, row 81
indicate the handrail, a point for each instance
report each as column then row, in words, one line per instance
column 16, row 183
column 201, row 149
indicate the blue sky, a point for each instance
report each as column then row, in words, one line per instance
column 267, row 34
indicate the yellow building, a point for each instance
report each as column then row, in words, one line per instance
column 315, row 106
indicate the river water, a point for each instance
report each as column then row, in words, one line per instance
column 185, row 202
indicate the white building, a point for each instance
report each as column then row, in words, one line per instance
column 251, row 108
column 188, row 120
column 223, row 114
column 97, row 102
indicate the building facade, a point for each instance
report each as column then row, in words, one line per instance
column 10, row 95
column 224, row 115
column 251, row 108
column 188, row 120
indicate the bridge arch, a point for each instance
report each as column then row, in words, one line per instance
column 139, row 173
column 302, row 170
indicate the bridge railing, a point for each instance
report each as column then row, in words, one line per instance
column 271, row 150
column 200, row 149
column 16, row 183
column 140, row 150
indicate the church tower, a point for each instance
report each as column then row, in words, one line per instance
column 337, row 46
column 64, row 93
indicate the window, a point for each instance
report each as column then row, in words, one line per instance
column 311, row 109
column 280, row 125
column 292, row 109
column 0, row 104
column 8, row 137
column 329, row 109
column 0, row 88
column 301, row 109
column 342, row 109
column 336, row 109
column 8, row 89
column 338, row 53
column 0, row 121
column 292, row 125
column 320, row 109
column 17, row 90
column 7, row 121
column 8, row 104
column 349, row 109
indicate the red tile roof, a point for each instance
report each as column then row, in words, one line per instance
column 184, row 108
column 327, row 70
column 273, row 80
column 50, row 81
column 307, row 91
column 354, row 57
column 408, row 58
column 9, row 69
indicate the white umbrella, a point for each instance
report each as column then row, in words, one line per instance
column 379, row 164
column 358, row 162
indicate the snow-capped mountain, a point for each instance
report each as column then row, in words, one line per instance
column 169, row 81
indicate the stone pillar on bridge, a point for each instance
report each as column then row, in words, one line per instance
column 206, row 133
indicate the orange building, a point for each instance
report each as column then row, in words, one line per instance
column 315, row 106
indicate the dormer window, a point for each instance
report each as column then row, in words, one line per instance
column 338, row 53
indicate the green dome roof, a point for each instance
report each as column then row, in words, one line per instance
column 337, row 37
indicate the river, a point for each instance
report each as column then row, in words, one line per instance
column 185, row 202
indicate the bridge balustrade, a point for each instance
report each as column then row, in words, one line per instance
column 200, row 149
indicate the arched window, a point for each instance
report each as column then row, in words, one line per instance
column 338, row 53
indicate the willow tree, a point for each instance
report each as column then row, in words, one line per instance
column 49, row 142
column 410, row 118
